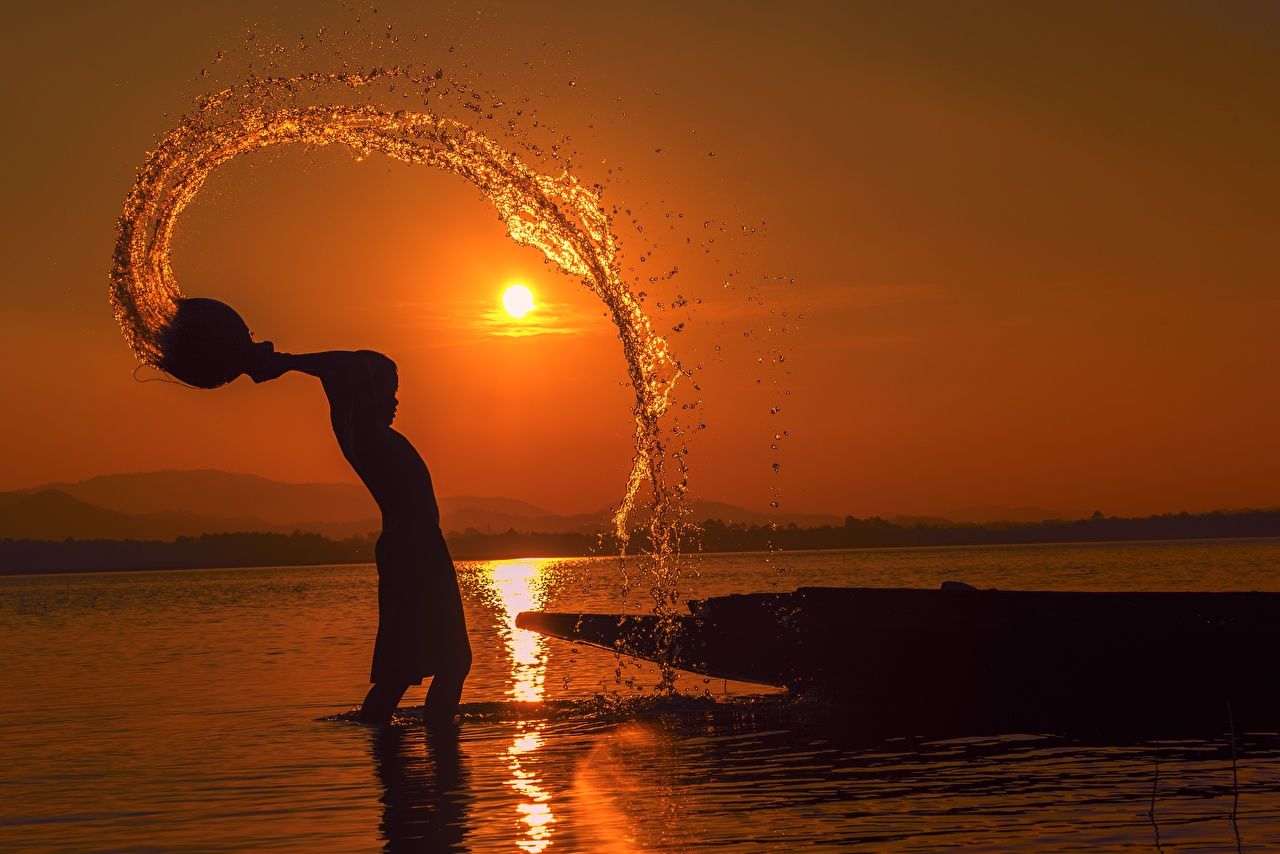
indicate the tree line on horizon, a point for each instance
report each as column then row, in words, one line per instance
column 714, row 535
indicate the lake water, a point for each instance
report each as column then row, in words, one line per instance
column 199, row 710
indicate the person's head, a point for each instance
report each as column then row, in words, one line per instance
column 207, row 344
column 384, row 381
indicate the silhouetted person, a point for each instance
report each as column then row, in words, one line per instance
column 421, row 628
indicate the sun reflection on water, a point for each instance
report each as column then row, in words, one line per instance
column 535, row 809
column 520, row 585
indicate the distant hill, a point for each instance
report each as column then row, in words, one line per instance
column 51, row 514
column 161, row 505
column 208, row 492
column 494, row 515
column 703, row 510
column 508, row 506
column 983, row 515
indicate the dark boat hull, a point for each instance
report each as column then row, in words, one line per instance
column 1000, row 659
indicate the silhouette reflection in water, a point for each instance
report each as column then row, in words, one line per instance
column 426, row 798
column 774, row 774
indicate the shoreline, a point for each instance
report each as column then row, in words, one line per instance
column 7, row 572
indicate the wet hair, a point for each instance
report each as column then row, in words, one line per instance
column 205, row 343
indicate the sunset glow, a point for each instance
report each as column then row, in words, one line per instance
column 896, row 308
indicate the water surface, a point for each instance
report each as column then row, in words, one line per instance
column 201, row 710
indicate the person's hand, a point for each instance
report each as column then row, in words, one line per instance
column 266, row 364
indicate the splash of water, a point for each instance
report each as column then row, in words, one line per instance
column 556, row 214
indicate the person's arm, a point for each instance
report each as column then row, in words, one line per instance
column 345, row 375
column 339, row 367
column 336, row 366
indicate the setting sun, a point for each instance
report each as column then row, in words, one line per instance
column 518, row 301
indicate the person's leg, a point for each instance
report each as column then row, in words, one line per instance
column 381, row 701
column 446, row 689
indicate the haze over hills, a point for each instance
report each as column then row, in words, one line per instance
column 208, row 492
column 163, row 505
column 54, row 515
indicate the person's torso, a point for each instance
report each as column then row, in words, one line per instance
column 395, row 475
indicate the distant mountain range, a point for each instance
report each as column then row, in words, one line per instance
column 207, row 492
column 163, row 505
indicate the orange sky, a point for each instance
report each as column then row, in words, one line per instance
column 1032, row 248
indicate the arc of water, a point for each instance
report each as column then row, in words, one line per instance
column 558, row 215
